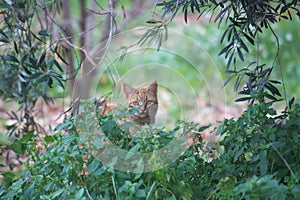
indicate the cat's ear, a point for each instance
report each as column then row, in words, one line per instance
column 127, row 90
column 153, row 87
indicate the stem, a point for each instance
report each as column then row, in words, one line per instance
column 286, row 163
column 280, row 66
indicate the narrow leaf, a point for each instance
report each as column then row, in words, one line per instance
column 243, row 99
column 43, row 33
column 243, row 45
column 2, row 33
column 240, row 54
column 245, row 92
column 251, row 40
column 271, row 97
column 227, row 81
column 272, row 89
column 20, row 27
column 185, row 13
column 275, row 81
column 229, row 61
column 20, row 17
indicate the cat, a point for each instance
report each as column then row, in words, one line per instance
column 142, row 104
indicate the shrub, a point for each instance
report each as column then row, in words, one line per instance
column 260, row 160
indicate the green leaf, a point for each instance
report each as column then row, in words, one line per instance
column 58, row 66
column 171, row 198
column 127, row 125
column 249, row 39
column 20, row 17
column 140, row 193
column 263, row 164
column 238, row 153
column 11, row 58
column 43, row 33
column 227, row 81
column 108, row 125
column 226, row 49
column 272, row 89
column 135, row 148
column 185, row 10
column 91, row 167
column 28, row 192
column 3, row 33
column 4, row 40
column 49, row 138
column 58, row 82
column 28, row 136
column 244, row 46
column 245, row 92
column 275, row 81
column 18, row 147
column 220, row 130
column 9, row 176
column 22, row 79
column 99, row 171
column 243, row 99
column 79, row 194
column 240, row 54
column 20, row 27
column 202, row 128
column 48, row 186
column 151, row 189
column 57, row 193
column 271, row 97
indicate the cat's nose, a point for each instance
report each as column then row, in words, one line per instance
column 142, row 109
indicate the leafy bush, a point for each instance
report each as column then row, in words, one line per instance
column 260, row 159
column 29, row 66
column 259, row 188
column 261, row 147
column 68, row 169
column 29, row 62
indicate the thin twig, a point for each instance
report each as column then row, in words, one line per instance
column 280, row 67
column 286, row 163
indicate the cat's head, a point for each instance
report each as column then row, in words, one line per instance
column 142, row 102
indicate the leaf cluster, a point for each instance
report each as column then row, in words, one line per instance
column 244, row 21
column 260, row 160
column 30, row 63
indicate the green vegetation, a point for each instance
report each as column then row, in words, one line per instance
column 260, row 160
column 257, row 153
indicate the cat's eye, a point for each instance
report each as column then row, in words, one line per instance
column 149, row 102
column 135, row 103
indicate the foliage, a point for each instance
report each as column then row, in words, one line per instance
column 244, row 21
column 67, row 169
column 260, row 148
column 261, row 143
column 259, row 160
column 29, row 66
column 259, row 188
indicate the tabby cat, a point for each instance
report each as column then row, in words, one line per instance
column 142, row 103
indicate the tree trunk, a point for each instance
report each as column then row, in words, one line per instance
column 89, row 66
column 83, row 83
column 68, row 29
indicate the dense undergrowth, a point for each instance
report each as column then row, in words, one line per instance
column 259, row 159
